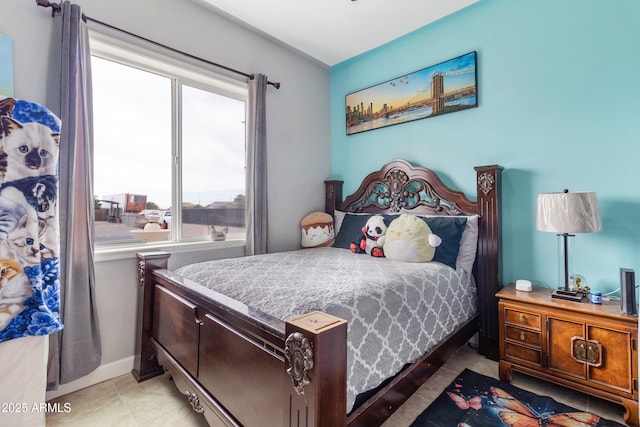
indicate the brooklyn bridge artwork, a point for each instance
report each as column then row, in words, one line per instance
column 443, row 88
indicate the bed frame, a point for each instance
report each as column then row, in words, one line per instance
column 242, row 367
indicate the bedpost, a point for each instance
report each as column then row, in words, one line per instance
column 332, row 196
column 489, row 257
column 315, row 385
column 145, row 365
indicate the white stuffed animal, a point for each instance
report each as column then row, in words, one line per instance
column 409, row 238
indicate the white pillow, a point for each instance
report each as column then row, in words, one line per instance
column 468, row 240
column 468, row 244
column 338, row 217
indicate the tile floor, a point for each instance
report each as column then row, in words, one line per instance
column 121, row 402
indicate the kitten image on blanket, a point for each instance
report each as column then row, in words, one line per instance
column 38, row 192
column 23, row 241
column 30, row 226
column 11, row 215
column 7, row 106
column 14, row 287
column 26, row 149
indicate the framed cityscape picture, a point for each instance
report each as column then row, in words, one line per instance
column 439, row 89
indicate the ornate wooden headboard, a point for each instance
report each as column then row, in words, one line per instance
column 400, row 187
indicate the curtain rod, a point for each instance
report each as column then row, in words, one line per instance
column 56, row 8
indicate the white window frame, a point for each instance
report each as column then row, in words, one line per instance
column 149, row 57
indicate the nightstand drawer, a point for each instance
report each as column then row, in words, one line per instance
column 522, row 318
column 523, row 336
column 523, row 353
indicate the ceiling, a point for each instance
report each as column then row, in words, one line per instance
column 332, row 31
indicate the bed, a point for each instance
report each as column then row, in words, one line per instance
column 280, row 360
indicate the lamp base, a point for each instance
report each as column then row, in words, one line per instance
column 560, row 293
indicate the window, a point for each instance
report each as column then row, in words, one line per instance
column 167, row 134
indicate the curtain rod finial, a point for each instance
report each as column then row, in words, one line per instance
column 55, row 7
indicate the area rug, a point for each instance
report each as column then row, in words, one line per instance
column 475, row 400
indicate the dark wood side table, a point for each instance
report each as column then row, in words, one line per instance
column 592, row 348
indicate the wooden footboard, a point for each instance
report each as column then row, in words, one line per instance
column 234, row 364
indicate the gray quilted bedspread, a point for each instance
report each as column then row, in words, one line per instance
column 396, row 310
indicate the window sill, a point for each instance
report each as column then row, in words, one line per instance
column 128, row 251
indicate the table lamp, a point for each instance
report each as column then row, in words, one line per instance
column 566, row 214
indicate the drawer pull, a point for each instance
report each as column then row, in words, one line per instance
column 593, row 353
column 586, row 351
column 522, row 318
column 522, row 337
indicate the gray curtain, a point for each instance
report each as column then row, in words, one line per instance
column 76, row 350
column 257, row 167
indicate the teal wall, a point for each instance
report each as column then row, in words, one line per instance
column 558, row 91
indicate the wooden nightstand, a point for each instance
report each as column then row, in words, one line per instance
column 587, row 347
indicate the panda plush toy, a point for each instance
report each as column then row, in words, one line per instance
column 372, row 239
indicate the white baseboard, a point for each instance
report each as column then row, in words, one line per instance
column 102, row 373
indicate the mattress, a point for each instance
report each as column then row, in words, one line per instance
column 396, row 311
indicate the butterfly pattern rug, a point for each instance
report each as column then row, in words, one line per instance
column 475, row 400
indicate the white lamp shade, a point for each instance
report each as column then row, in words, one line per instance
column 568, row 212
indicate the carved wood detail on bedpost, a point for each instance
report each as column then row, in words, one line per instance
column 332, row 195
column 145, row 365
column 489, row 256
column 315, row 385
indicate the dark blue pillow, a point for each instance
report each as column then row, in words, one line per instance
column 450, row 231
column 350, row 230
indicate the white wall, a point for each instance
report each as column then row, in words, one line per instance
column 298, row 123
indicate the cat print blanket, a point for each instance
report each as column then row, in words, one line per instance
column 29, row 237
